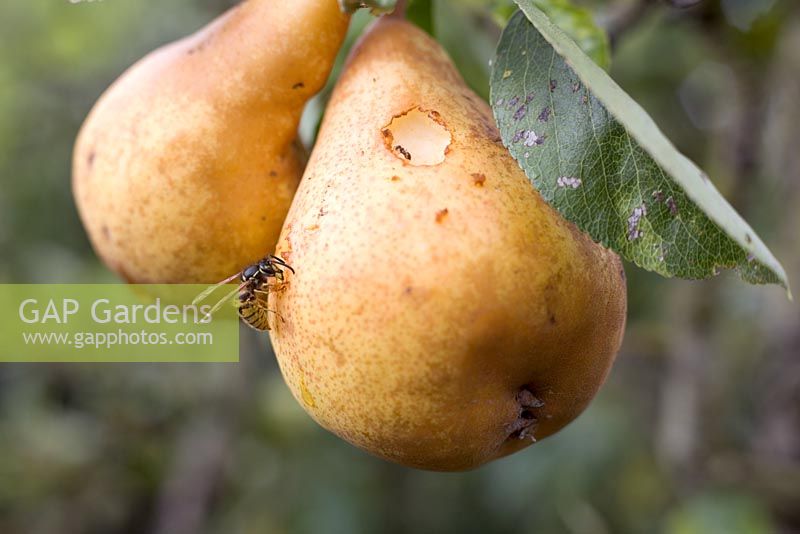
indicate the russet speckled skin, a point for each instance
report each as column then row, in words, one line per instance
column 186, row 167
column 427, row 298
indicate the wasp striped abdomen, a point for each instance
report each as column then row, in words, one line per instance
column 253, row 311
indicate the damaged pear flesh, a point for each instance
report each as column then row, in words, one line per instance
column 418, row 137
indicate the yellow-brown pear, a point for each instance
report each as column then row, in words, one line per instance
column 442, row 314
column 187, row 165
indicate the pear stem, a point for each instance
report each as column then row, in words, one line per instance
column 378, row 7
column 400, row 9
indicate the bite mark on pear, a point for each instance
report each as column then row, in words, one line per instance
column 418, row 137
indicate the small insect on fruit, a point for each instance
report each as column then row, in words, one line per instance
column 255, row 287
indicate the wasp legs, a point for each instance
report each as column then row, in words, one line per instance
column 263, row 293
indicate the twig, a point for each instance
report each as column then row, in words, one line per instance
column 626, row 18
column 400, row 9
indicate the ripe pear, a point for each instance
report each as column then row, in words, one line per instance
column 442, row 314
column 186, row 167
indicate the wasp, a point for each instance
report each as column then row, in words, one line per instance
column 257, row 281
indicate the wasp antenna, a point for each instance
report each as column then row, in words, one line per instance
column 282, row 262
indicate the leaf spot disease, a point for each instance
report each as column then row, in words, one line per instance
column 673, row 207
column 569, row 181
column 479, row 179
column 634, row 232
column 544, row 116
column 529, row 138
column 659, row 223
column 521, row 112
column 441, row 215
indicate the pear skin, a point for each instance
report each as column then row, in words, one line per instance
column 442, row 314
column 186, row 167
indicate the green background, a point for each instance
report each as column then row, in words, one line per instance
column 696, row 431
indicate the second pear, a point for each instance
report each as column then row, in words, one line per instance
column 186, row 167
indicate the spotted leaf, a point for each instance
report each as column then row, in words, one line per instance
column 597, row 156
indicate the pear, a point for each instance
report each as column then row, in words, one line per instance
column 186, row 167
column 442, row 314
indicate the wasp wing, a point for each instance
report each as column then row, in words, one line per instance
column 226, row 298
column 205, row 294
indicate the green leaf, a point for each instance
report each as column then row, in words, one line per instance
column 577, row 22
column 597, row 156
column 482, row 21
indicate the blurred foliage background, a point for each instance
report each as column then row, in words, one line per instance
column 697, row 430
